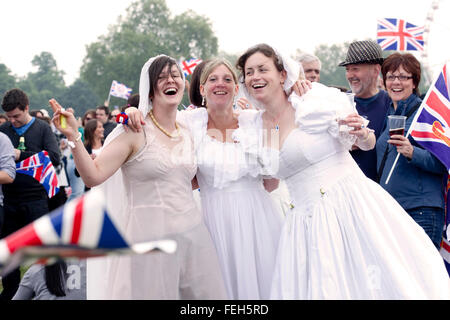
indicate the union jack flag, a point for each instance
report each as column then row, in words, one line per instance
column 40, row 167
column 398, row 34
column 120, row 90
column 431, row 125
column 82, row 228
column 188, row 66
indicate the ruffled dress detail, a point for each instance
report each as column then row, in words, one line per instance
column 243, row 221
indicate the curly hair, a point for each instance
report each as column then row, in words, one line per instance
column 15, row 98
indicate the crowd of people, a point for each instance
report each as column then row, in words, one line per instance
column 291, row 175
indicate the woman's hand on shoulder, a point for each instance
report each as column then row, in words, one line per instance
column 302, row 86
column 135, row 119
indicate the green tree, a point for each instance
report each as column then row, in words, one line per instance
column 80, row 97
column 146, row 30
column 330, row 56
column 7, row 81
column 47, row 82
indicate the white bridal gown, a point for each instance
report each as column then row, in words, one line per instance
column 346, row 237
column 243, row 221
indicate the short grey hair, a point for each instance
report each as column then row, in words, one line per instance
column 308, row 57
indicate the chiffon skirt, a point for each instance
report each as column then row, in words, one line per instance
column 245, row 226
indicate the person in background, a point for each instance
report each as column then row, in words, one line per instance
column 58, row 281
column 362, row 66
column 114, row 113
column 36, row 114
column 25, row 199
column 102, row 114
column 7, row 168
column 3, row 118
column 417, row 182
column 311, row 66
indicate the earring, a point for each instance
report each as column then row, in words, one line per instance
column 203, row 101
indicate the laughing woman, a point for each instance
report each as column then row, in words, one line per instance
column 157, row 166
column 346, row 237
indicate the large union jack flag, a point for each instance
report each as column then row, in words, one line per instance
column 431, row 125
column 400, row 35
column 431, row 129
column 82, row 228
column 188, row 66
column 40, row 167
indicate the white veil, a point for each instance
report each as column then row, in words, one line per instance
column 99, row 269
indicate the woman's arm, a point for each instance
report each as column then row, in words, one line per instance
column 365, row 138
column 95, row 172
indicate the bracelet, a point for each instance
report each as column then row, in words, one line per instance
column 122, row 118
column 368, row 136
column 72, row 143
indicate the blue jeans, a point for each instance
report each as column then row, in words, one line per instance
column 431, row 219
column 76, row 183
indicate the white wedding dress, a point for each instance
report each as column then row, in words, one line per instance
column 243, row 221
column 346, row 237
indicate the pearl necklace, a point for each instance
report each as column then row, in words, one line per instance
column 162, row 129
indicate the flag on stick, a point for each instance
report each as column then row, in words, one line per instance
column 81, row 228
column 431, row 126
column 40, row 167
column 119, row 90
column 188, row 66
column 398, row 34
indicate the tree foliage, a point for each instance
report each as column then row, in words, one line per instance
column 147, row 30
column 7, row 81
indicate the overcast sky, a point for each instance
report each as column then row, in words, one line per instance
column 65, row 27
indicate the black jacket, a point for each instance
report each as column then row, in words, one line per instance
column 38, row 137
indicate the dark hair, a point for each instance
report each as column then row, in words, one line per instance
column 15, row 98
column 194, row 89
column 157, row 67
column 104, row 108
column 55, row 278
column 34, row 113
column 266, row 50
column 88, row 112
column 133, row 101
column 89, row 130
column 408, row 62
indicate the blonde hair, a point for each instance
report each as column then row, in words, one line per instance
column 213, row 64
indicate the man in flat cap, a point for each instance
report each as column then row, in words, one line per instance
column 363, row 66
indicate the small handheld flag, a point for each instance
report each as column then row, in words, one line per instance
column 120, row 90
column 398, row 34
column 40, row 167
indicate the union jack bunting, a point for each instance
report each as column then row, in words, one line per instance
column 188, row 66
column 40, row 167
column 120, row 90
column 82, row 228
column 400, row 35
column 431, row 125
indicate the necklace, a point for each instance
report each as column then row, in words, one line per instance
column 277, row 127
column 162, row 129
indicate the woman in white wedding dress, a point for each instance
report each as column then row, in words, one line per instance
column 345, row 238
column 243, row 221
